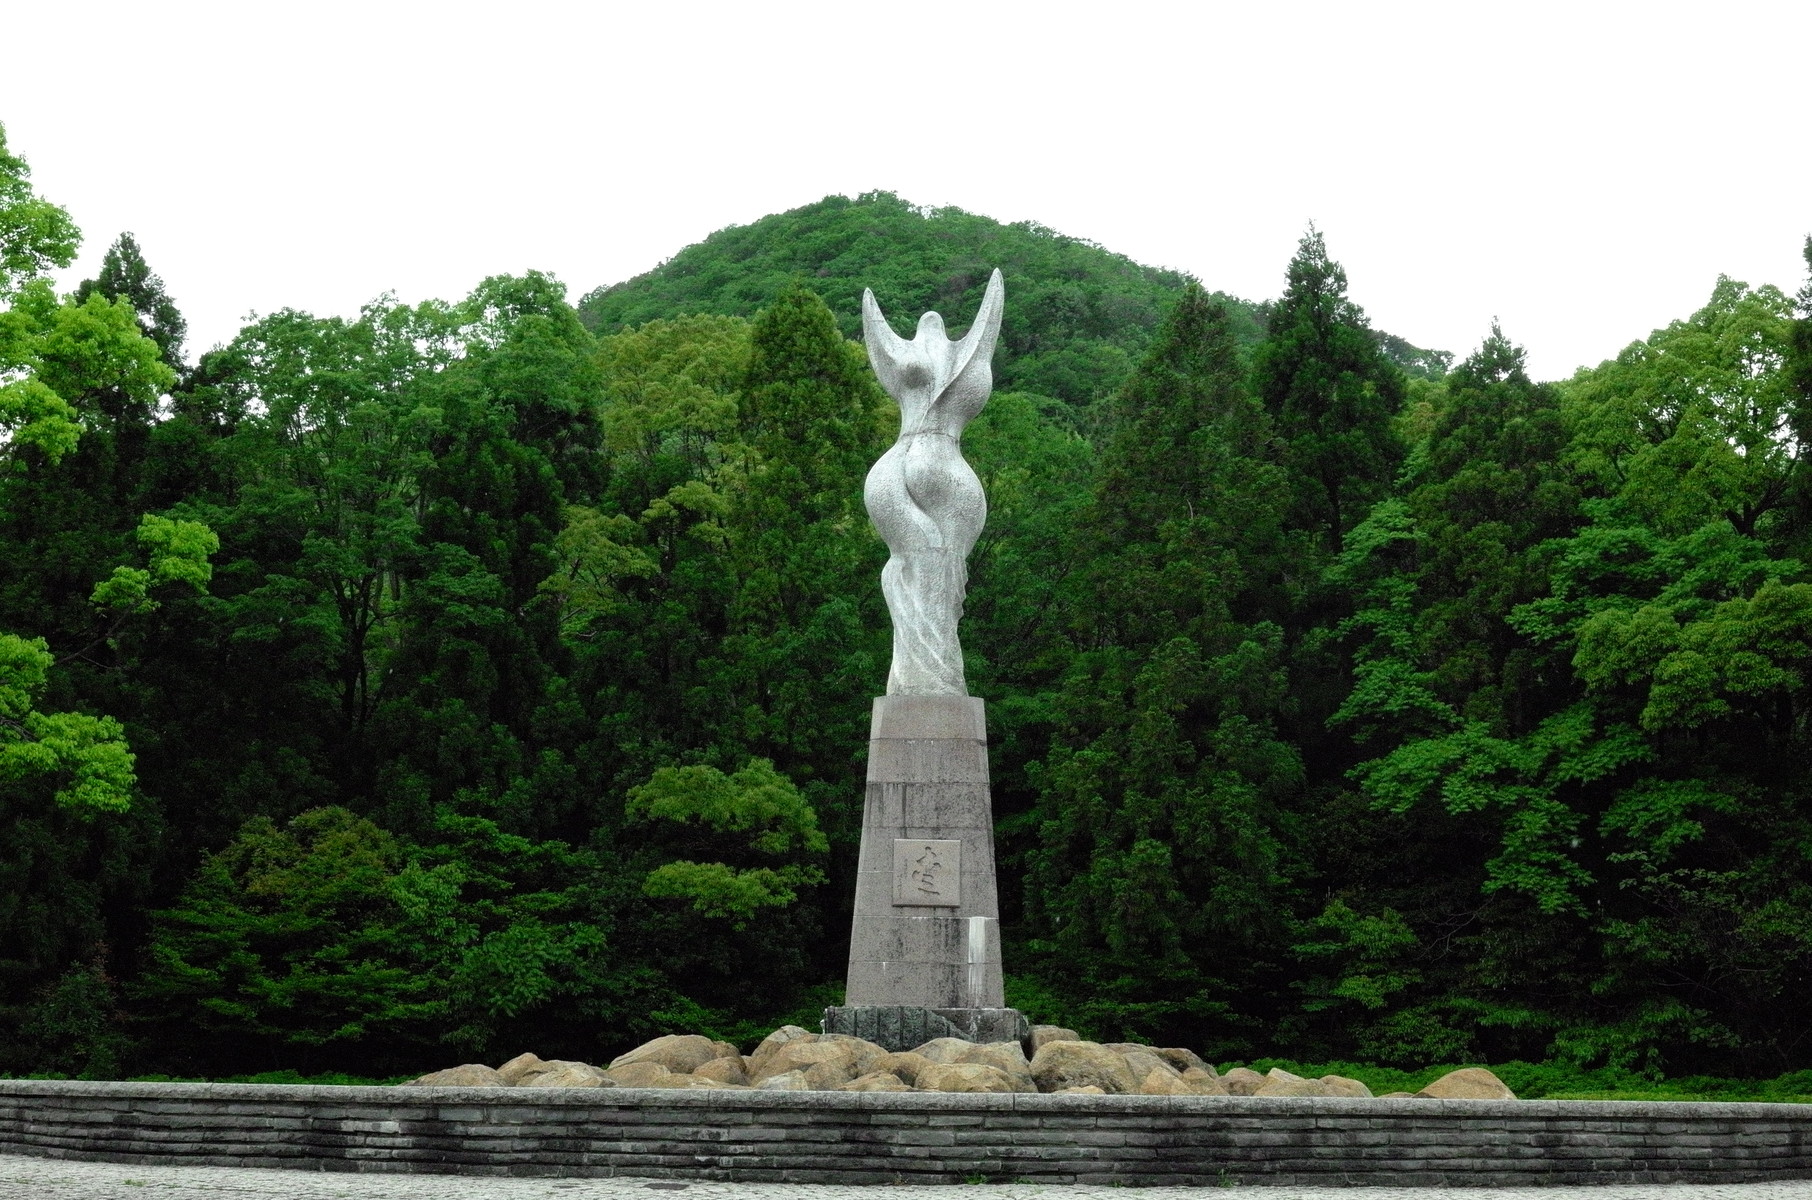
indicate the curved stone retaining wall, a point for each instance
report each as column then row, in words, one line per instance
column 882, row 1137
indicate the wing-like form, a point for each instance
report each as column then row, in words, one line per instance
column 888, row 352
column 979, row 341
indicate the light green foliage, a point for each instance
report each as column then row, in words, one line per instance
column 719, row 890
column 755, row 800
column 52, row 352
column 669, row 413
column 1526, row 779
column 673, row 384
column 1697, row 422
column 178, row 552
column 35, row 235
column 1745, row 654
column 597, row 553
column 85, row 755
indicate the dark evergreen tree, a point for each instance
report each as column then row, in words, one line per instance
column 477, row 672
column 126, row 276
column 1492, row 490
column 804, row 620
column 1332, row 394
column 1162, row 859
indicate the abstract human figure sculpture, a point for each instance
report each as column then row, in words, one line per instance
column 924, row 945
column 922, row 496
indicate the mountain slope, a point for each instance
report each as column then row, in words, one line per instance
column 1078, row 316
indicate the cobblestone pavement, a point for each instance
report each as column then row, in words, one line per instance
column 23, row 1178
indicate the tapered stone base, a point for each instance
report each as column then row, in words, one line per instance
column 900, row 1027
column 926, row 932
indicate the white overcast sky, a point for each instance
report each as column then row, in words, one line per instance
column 1582, row 170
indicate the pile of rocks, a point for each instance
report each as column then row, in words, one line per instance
column 792, row 1059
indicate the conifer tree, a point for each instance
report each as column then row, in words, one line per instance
column 126, row 276
column 1160, row 858
column 804, row 615
column 1331, row 393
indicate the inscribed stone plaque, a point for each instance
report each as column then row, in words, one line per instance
column 927, row 872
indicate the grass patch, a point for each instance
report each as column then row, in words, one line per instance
column 325, row 1079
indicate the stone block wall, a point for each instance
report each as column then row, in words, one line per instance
column 843, row 1137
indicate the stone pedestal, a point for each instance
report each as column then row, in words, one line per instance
column 926, row 933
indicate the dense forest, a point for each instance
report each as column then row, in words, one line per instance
column 473, row 676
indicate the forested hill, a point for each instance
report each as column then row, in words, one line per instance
column 453, row 679
column 1079, row 318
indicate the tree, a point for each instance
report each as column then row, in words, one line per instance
column 125, row 276
column 477, row 684
column 1331, row 393
column 76, row 832
column 1697, row 422
column 706, row 802
column 801, row 549
column 1441, row 676
column 35, row 235
column 1161, row 864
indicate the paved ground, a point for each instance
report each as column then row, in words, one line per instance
column 47, row 1179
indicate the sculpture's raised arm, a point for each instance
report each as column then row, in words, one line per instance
column 977, row 345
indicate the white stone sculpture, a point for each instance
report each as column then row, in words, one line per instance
column 922, row 495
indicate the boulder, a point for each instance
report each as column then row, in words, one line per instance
column 943, row 1050
column 1242, row 1081
column 771, row 1044
column 728, row 1069
column 1398, row 1096
column 1296, row 1085
column 792, row 1081
column 519, row 1068
column 1059, row 1065
column 639, row 1074
column 1142, row 1062
column 1278, row 1074
column 1183, row 1059
column 876, row 1081
column 561, row 1072
column 905, row 1063
column 1467, row 1083
column 826, row 1065
column 681, row 1053
column 1087, row 1089
column 464, row 1075
column 864, row 1050
column 1162, row 1081
column 1204, row 1082
column 1340, row 1085
column 965, row 1077
column 1052, row 1033
column 1007, row 1057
